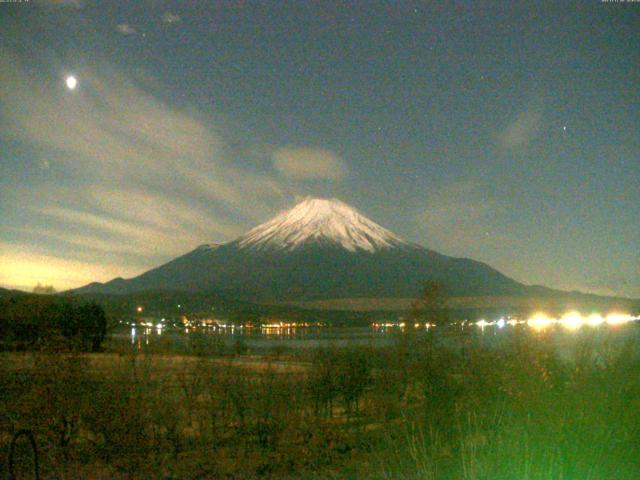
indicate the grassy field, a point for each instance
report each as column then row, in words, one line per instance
column 411, row 410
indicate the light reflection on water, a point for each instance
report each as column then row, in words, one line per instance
column 256, row 338
column 560, row 331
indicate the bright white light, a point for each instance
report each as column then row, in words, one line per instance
column 72, row 82
column 619, row 318
column 574, row 320
column 595, row 319
column 483, row 323
column 501, row 323
column 571, row 320
column 540, row 321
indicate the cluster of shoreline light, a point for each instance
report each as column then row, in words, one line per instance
column 287, row 325
column 213, row 325
column 574, row 320
column 379, row 325
column 288, row 328
column 571, row 321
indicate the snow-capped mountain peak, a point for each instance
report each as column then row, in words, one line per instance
column 322, row 221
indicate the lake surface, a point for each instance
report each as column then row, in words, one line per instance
column 256, row 340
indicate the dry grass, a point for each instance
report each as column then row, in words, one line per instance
column 406, row 411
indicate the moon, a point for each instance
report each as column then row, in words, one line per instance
column 72, row 82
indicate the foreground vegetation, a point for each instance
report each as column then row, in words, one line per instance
column 30, row 322
column 411, row 410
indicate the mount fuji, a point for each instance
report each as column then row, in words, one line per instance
column 319, row 249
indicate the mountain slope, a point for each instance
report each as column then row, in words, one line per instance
column 319, row 249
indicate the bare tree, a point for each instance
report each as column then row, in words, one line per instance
column 431, row 305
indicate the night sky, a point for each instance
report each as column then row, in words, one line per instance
column 508, row 132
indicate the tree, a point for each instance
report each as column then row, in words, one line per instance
column 431, row 305
column 44, row 289
column 353, row 377
column 322, row 380
column 92, row 326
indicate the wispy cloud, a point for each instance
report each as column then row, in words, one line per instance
column 523, row 128
column 309, row 163
column 126, row 172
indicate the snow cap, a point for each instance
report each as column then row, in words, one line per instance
column 323, row 221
